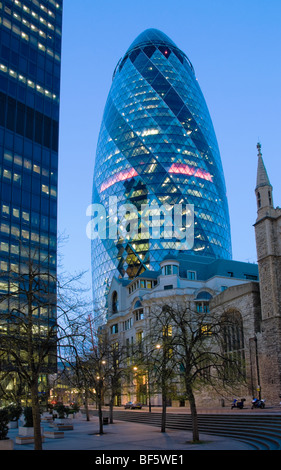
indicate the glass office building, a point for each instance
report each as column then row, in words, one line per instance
column 157, row 145
column 30, row 62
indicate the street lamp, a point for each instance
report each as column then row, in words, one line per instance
column 158, row 346
column 258, row 368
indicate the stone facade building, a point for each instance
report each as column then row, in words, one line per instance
column 268, row 243
column 249, row 292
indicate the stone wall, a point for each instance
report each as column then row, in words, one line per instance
column 269, row 353
column 245, row 299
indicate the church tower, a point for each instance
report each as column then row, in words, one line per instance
column 268, row 243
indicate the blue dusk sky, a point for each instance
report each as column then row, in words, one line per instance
column 235, row 49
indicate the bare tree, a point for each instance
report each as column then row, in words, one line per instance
column 100, row 366
column 155, row 355
column 92, row 367
column 39, row 318
column 197, row 347
column 116, row 367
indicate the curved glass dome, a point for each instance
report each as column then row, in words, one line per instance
column 157, row 144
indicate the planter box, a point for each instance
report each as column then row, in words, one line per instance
column 78, row 414
column 7, row 444
column 47, row 417
column 26, row 439
column 27, row 432
column 63, row 421
column 64, row 427
column 13, row 425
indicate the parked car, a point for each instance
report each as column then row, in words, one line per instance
column 136, row 406
column 128, row 405
column 133, row 406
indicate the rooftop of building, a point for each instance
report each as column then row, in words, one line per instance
column 207, row 267
column 151, row 36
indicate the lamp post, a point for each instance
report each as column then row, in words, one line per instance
column 258, row 368
column 99, row 392
column 158, row 346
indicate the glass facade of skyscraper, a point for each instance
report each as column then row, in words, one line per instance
column 30, row 62
column 157, row 145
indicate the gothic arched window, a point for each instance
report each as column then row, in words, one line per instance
column 114, row 302
column 233, row 340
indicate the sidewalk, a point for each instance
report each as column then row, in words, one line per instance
column 128, row 436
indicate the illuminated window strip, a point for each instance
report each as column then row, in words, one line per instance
column 30, row 83
column 36, row 16
column 180, row 168
column 27, row 164
column 29, row 25
column 39, row 5
column 45, row 188
column 55, row 4
column 7, row 23
column 25, row 36
column 121, row 176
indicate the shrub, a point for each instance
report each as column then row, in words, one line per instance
column 28, row 417
column 62, row 410
column 75, row 408
column 4, row 420
column 14, row 412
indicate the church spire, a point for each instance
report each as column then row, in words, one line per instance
column 263, row 187
column 262, row 176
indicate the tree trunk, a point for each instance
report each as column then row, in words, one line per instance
column 164, row 386
column 148, row 390
column 87, row 404
column 34, row 375
column 164, row 412
column 100, row 416
column 111, row 410
column 36, row 417
column 194, row 418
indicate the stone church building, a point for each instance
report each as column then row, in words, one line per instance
column 249, row 292
column 268, row 243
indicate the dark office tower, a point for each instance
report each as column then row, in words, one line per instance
column 30, row 61
column 157, row 145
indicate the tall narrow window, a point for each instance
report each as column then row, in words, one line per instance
column 114, row 302
column 233, row 336
column 269, row 198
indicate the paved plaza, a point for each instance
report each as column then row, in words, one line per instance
column 122, row 435
column 133, row 441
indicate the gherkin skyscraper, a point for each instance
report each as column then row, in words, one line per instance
column 157, row 145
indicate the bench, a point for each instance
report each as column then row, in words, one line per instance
column 63, row 427
column 47, row 418
column 26, row 440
